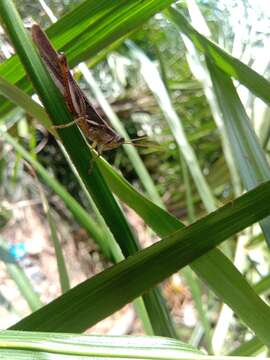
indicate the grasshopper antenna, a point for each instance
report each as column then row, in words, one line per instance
column 132, row 142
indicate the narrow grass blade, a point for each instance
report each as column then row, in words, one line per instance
column 61, row 265
column 156, row 85
column 249, row 156
column 195, row 290
column 200, row 72
column 262, row 286
column 188, row 188
column 19, row 98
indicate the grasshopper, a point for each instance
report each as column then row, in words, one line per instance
column 95, row 129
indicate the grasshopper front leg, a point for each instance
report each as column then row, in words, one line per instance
column 95, row 155
column 63, row 126
column 98, row 149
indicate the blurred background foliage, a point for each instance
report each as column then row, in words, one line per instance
column 241, row 28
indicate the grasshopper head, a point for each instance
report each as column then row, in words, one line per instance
column 114, row 143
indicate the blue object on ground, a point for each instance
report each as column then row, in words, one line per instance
column 18, row 251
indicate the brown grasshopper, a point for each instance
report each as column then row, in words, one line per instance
column 95, row 129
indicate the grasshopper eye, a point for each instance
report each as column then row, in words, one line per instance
column 120, row 140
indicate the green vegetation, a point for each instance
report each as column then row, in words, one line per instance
column 199, row 183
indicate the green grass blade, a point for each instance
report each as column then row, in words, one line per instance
column 188, row 187
column 74, row 346
column 61, row 264
column 195, row 290
column 156, row 85
column 113, row 251
column 224, row 61
column 263, row 285
column 150, row 266
column 19, row 98
column 200, row 72
column 249, row 156
column 72, row 141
